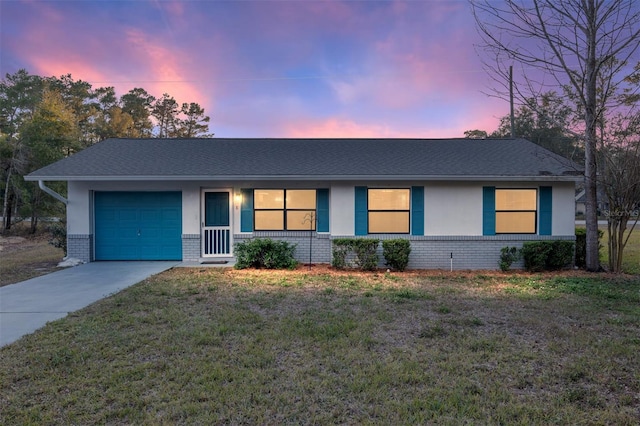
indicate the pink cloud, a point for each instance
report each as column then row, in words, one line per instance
column 163, row 67
column 410, row 67
column 333, row 128
column 337, row 127
column 136, row 59
column 402, row 82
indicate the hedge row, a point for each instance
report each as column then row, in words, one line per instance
column 362, row 253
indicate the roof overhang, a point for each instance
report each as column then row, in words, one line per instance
column 343, row 178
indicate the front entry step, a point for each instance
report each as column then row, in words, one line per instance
column 215, row 261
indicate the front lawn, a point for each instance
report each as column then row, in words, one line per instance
column 220, row 346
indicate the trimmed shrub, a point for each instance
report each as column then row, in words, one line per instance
column 396, row 253
column 58, row 235
column 547, row 255
column 581, row 246
column 265, row 253
column 339, row 251
column 366, row 253
column 363, row 251
column 508, row 255
column 561, row 255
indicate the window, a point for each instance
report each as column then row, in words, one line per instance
column 516, row 211
column 284, row 209
column 388, row 211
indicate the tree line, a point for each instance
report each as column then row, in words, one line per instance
column 44, row 119
column 544, row 121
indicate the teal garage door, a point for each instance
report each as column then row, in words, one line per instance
column 138, row 225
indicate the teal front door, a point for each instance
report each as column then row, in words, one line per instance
column 138, row 225
column 216, row 230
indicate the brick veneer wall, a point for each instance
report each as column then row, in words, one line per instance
column 427, row 252
column 191, row 249
column 468, row 252
column 80, row 246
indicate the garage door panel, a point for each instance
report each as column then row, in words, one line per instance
column 127, row 215
column 148, row 235
column 138, row 225
column 150, row 215
column 171, row 214
column 149, row 252
column 109, row 214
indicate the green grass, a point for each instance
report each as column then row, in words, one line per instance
column 631, row 255
column 219, row 346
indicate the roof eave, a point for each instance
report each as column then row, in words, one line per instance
column 501, row 178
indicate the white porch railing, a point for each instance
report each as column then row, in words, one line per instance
column 216, row 241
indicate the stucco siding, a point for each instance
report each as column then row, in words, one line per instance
column 563, row 213
column 79, row 208
column 190, row 209
column 341, row 210
column 452, row 209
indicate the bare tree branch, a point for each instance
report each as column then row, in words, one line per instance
column 582, row 48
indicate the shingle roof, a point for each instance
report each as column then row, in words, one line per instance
column 184, row 159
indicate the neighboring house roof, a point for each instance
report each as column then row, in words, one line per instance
column 311, row 159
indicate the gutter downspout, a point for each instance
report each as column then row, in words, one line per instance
column 53, row 193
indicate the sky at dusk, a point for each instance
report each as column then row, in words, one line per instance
column 270, row 68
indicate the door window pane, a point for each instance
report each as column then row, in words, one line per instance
column 216, row 209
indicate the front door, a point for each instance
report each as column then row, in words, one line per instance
column 216, row 229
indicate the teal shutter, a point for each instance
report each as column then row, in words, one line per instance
column 546, row 206
column 417, row 210
column 361, row 217
column 322, row 210
column 246, row 211
column 488, row 210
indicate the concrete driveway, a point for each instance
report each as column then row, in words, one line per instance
column 29, row 305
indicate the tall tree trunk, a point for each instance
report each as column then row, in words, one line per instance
column 590, row 146
column 34, row 223
column 622, row 227
column 6, row 205
column 8, row 219
column 613, row 224
column 591, row 210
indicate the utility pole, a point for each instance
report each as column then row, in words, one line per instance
column 511, row 114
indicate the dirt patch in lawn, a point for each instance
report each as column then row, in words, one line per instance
column 321, row 269
column 27, row 257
